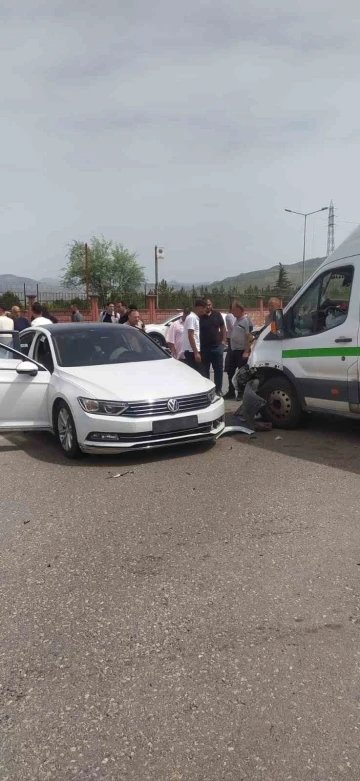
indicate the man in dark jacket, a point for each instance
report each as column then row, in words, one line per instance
column 212, row 343
column 20, row 322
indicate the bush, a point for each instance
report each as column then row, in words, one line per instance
column 9, row 299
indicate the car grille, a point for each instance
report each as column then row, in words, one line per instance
column 169, row 435
column 146, row 409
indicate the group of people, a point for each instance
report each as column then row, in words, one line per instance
column 121, row 314
column 201, row 335
column 40, row 315
column 15, row 320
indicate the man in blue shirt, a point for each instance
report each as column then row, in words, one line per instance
column 20, row 322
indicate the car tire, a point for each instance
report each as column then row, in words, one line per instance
column 66, row 431
column 158, row 339
column 283, row 407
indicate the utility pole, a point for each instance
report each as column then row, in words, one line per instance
column 331, row 230
column 156, row 278
column 87, row 271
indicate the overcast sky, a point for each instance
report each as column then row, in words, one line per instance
column 191, row 125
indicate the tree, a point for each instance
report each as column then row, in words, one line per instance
column 9, row 299
column 113, row 270
column 283, row 284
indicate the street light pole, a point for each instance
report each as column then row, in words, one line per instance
column 304, row 251
column 305, row 215
column 86, row 273
column 156, row 278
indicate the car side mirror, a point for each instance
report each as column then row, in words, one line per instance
column 277, row 324
column 26, row 367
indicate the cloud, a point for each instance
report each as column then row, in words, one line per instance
column 188, row 125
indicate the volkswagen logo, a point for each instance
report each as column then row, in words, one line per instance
column 173, row 405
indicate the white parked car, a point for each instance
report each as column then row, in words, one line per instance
column 159, row 331
column 103, row 388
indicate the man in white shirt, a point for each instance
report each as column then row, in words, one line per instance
column 175, row 336
column 191, row 337
column 38, row 319
column 6, row 323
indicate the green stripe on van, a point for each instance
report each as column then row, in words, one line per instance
column 320, row 352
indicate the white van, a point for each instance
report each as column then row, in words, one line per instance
column 308, row 358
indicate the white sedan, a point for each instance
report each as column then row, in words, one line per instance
column 103, row 388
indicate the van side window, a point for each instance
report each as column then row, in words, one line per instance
column 324, row 304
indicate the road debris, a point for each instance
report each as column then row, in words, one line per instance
column 121, row 474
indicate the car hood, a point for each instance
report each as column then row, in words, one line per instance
column 136, row 381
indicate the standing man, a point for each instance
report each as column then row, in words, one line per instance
column 229, row 320
column 20, row 322
column 122, row 312
column 176, row 336
column 273, row 303
column 240, row 344
column 212, row 343
column 191, row 340
column 108, row 315
column 6, row 323
column 38, row 317
column 76, row 316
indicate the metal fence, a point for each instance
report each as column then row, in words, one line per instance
column 172, row 299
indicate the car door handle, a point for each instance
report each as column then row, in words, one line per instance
column 343, row 340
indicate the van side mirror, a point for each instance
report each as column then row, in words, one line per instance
column 277, row 324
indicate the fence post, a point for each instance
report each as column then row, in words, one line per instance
column 31, row 300
column 151, row 306
column 261, row 306
column 94, row 309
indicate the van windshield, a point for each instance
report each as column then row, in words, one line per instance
column 324, row 304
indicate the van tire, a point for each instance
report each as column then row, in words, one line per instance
column 283, row 408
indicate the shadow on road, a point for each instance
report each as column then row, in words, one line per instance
column 328, row 440
column 43, row 447
column 322, row 439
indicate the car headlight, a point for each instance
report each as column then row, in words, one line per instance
column 103, row 407
column 212, row 395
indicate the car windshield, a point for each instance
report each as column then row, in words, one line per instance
column 105, row 345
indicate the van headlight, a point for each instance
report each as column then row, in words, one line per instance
column 212, row 395
column 103, row 407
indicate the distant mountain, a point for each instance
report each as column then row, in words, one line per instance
column 16, row 284
column 268, row 276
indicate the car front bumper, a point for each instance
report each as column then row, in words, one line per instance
column 137, row 434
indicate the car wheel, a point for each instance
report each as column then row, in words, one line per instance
column 66, row 431
column 283, row 408
column 158, row 339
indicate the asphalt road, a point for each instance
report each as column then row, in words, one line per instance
column 196, row 618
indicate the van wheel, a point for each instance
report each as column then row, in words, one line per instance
column 283, row 408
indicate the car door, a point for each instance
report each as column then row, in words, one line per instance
column 23, row 396
column 320, row 346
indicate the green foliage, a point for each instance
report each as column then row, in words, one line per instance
column 283, row 285
column 9, row 299
column 113, row 271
